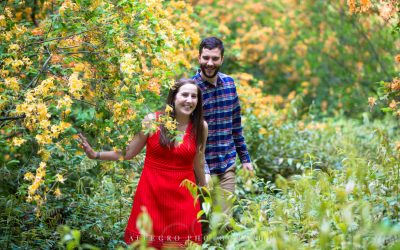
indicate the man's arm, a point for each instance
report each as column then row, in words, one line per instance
column 237, row 133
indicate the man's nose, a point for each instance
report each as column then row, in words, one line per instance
column 210, row 62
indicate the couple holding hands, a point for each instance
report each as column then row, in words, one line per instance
column 207, row 111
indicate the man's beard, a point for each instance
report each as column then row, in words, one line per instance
column 203, row 70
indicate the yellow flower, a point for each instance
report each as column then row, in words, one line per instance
column 65, row 102
column 32, row 188
column 2, row 21
column 8, row 36
column 29, row 176
column 45, row 86
column 140, row 100
column 29, row 198
column 64, row 125
column 37, row 197
column 79, row 67
column 44, row 124
column 12, row 83
column 44, row 154
column 305, row 84
column 42, row 165
column 14, row 46
column 170, row 125
column 168, row 109
column 43, row 138
column 124, row 89
column 42, row 111
column 75, row 85
column 60, row 178
column 18, row 141
column 16, row 64
column 57, row 192
column 67, row 4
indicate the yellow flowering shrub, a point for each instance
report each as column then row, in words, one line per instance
column 100, row 74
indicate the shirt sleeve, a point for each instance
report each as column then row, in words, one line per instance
column 237, row 131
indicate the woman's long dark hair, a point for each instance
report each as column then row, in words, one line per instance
column 196, row 117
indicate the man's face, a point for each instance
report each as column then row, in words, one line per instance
column 210, row 61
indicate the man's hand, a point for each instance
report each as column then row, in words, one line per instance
column 248, row 166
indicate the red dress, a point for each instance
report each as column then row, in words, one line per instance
column 170, row 205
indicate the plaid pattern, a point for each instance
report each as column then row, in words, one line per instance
column 222, row 113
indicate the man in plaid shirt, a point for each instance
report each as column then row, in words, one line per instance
column 222, row 113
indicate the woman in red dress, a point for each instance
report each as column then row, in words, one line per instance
column 170, row 205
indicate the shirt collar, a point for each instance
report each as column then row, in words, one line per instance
column 219, row 79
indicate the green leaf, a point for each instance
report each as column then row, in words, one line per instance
column 12, row 163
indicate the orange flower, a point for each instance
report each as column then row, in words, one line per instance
column 393, row 104
column 365, row 5
column 352, row 6
column 37, row 32
column 371, row 101
column 395, row 84
column 398, row 145
column 397, row 58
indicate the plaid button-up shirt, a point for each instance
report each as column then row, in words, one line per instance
column 222, row 113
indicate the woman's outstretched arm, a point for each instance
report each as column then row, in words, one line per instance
column 199, row 160
column 134, row 147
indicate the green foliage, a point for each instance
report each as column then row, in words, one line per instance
column 351, row 206
column 315, row 47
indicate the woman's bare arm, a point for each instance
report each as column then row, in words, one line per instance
column 134, row 147
column 199, row 160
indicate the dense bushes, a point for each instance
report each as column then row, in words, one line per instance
column 351, row 205
column 315, row 47
column 99, row 66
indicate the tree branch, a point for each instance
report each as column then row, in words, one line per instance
column 33, row 16
column 78, row 100
column 11, row 118
column 58, row 38
column 34, row 80
column 79, row 52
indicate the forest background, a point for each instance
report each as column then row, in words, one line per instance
column 319, row 87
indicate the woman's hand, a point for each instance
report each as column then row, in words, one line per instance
column 86, row 147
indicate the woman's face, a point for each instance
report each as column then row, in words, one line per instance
column 186, row 100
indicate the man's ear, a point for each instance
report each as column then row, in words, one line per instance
column 199, row 57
